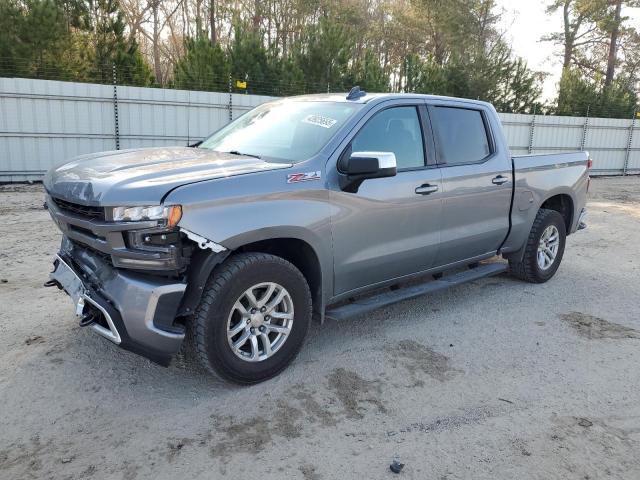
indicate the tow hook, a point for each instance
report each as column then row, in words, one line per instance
column 87, row 319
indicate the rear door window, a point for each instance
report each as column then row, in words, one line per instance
column 460, row 135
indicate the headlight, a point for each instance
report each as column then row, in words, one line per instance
column 171, row 214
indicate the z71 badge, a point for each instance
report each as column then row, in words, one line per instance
column 303, row 177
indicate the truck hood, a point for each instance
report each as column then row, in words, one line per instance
column 143, row 176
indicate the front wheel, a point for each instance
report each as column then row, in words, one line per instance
column 544, row 248
column 253, row 317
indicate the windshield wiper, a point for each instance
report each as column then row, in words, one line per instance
column 236, row 152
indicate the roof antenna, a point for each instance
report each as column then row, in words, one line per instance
column 355, row 93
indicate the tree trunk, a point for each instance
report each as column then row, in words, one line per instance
column 257, row 15
column 613, row 45
column 568, row 36
column 198, row 18
column 212, row 20
column 157, row 67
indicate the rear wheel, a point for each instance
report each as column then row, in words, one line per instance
column 253, row 317
column 544, row 248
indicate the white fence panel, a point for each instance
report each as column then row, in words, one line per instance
column 43, row 123
column 517, row 129
column 557, row 134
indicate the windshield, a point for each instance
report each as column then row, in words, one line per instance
column 287, row 130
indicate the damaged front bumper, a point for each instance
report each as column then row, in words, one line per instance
column 133, row 310
column 142, row 245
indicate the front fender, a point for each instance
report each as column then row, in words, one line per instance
column 215, row 211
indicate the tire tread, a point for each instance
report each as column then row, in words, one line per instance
column 221, row 276
column 526, row 269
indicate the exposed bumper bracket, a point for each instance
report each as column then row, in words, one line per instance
column 203, row 242
column 131, row 310
column 65, row 276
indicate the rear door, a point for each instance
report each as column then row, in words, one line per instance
column 476, row 177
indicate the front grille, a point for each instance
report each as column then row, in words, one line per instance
column 105, row 257
column 96, row 213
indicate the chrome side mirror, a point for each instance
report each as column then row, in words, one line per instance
column 360, row 166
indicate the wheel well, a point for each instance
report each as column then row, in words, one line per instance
column 301, row 254
column 563, row 205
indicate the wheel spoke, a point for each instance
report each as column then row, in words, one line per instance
column 240, row 307
column 266, row 344
column 267, row 295
column 237, row 329
column 251, row 297
column 281, row 315
column 276, row 301
column 242, row 340
column 278, row 329
column 254, row 347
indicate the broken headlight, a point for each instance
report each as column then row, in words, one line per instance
column 171, row 214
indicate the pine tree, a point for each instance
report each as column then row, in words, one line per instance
column 11, row 21
column 203, row 67
column 368, row 74
column 248, row 59
column 113, row 48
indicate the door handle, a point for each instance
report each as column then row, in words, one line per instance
column 426, row 189
column 499, row 180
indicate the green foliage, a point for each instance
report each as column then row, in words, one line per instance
column 113, row 48
column 69, row 40
column 249, row 61
column 578, row 96
column 368, row 74
column 33, row 34
column 11, row 26
column 288, row 77
column 425, row 76
column 601, row 68
column 519, row 89
column 203, row 67
column 324, row 55
column 495, row 77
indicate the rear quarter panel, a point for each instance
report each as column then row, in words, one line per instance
column 538, row 178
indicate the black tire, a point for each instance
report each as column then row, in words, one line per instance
column 226, row 285
column 528, row 269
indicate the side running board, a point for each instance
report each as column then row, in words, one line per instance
column 368, row 304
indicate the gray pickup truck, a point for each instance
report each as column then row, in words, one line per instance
column 323, row 206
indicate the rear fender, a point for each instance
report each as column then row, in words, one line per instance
column 526, row 206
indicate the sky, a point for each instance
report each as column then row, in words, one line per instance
column 525, row 21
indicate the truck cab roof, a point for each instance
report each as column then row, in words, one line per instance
column 378, row 97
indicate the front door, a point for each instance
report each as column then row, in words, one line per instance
column 391, row 226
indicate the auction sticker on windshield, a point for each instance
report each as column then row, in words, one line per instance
column 319, row 120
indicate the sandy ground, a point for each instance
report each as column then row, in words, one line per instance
column 497, row 379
